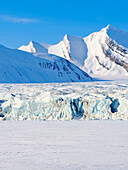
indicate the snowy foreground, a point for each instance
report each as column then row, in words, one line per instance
column 93, row 144
column 89, row 100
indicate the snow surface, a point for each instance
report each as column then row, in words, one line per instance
column 91, row 145
column 22, row 67
column 69, row 101
column 121, row 37
column 35, row 47
column 102, row 54
column 72, row 48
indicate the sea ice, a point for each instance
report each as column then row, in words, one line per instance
column 90, row 145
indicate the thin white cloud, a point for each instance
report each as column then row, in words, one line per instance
column 18, row 20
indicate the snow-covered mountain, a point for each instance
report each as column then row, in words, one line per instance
column 20, row 67
column 107, row 52
column 101, row 54
column 35, row 47
column 72, row 48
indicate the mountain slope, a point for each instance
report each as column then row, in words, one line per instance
column 72, row 48
column 101, row 54
column 19, row 67
column 35, row 47
column 105, row 56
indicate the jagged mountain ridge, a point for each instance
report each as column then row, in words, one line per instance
column 103, row 53
column 22, row 67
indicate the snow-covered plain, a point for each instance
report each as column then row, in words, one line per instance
column 64, row 101
column 27, row 145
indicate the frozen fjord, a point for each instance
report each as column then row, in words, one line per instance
column 67, row 101
column 64, row 145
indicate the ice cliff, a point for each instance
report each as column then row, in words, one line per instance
column 83, row 101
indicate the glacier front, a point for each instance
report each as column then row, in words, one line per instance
column 65, row 101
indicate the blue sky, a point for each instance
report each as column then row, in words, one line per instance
column 48, row 21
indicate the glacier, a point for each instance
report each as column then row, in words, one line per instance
column 64, row 101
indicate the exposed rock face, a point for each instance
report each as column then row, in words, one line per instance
column 114, row 47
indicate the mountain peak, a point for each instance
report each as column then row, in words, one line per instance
column 120, row 36
column 110, row 27
column 67, row 36
column 35, row 47
column 31, row 42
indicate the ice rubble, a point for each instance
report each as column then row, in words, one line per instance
column 63, row 101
